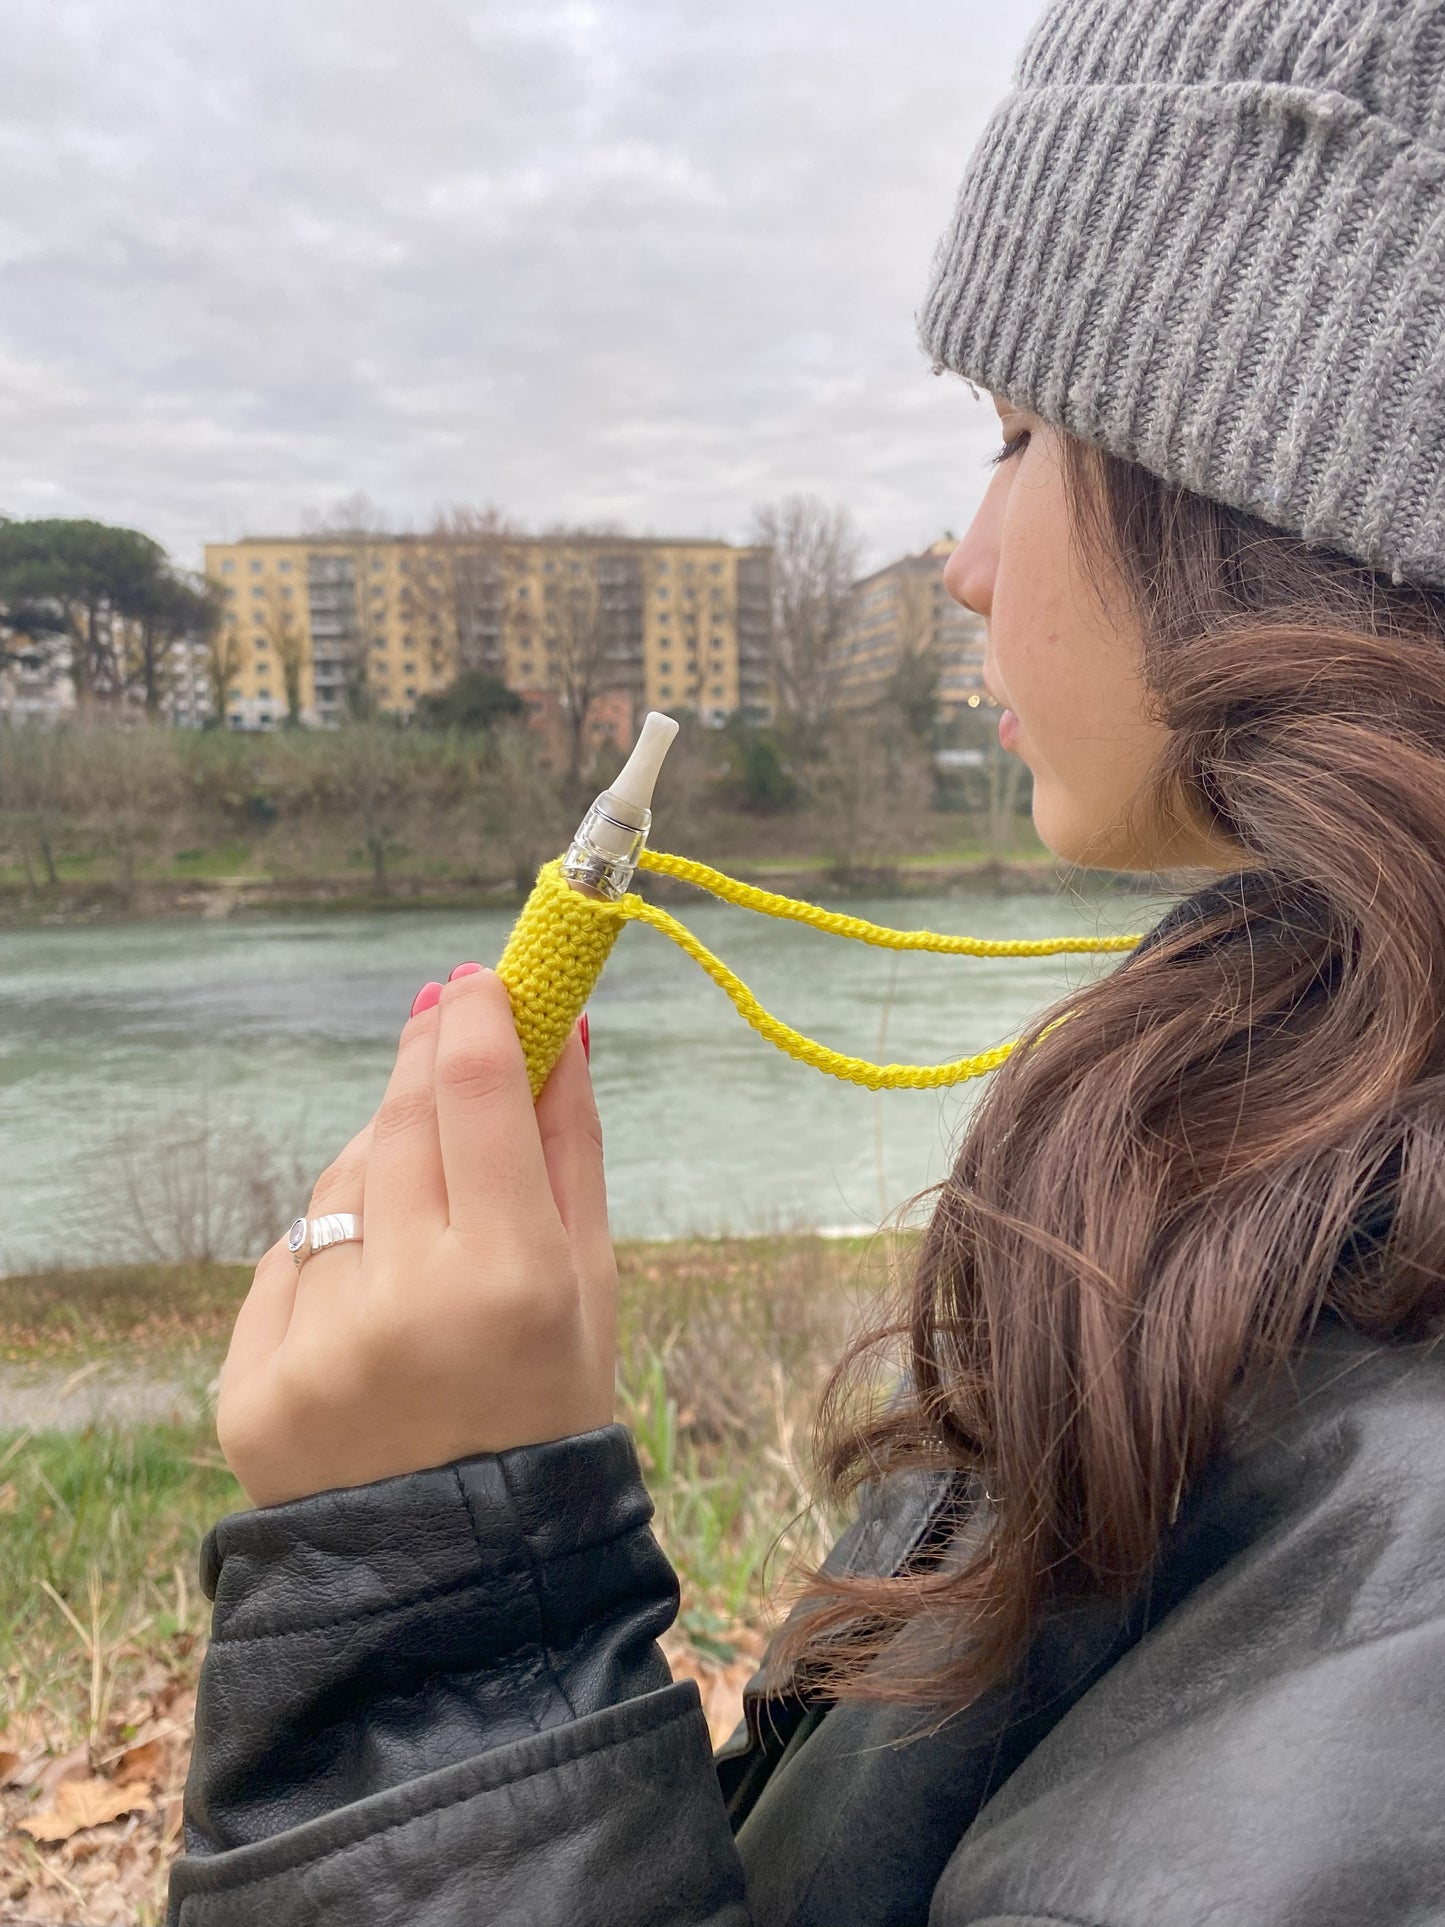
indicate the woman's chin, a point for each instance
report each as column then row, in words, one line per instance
column 1068, row 834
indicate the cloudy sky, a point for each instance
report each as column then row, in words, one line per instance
column 653, row 261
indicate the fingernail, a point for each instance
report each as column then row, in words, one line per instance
column 586, row 1030
column 464, row 970
column 426, row 999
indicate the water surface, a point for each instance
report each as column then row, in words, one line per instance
column 123, row 1035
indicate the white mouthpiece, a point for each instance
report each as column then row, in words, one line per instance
column 639, row 774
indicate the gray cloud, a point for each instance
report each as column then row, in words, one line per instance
column 648, row 259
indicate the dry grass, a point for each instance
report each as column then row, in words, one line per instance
column 724, row 1347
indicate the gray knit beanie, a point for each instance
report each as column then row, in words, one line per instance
column 1209, row 235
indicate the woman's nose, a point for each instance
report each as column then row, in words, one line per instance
column 968, row 574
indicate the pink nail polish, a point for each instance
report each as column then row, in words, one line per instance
column 464, row 970
column 586, row 1030
column 426, row 999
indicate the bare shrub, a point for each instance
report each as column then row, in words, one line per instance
column 200, row 1184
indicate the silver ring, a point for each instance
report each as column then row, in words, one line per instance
column 307, row 1236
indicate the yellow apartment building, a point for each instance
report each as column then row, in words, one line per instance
column 310, row 623
column 901, row 610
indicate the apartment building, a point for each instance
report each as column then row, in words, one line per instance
column 901, row 610
column 37, row 689
column 310, row 623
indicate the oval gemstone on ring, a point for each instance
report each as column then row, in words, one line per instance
column 296, row 1236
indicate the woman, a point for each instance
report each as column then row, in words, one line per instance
column 1142, row 1623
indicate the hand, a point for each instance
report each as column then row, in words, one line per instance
column 479, row 1312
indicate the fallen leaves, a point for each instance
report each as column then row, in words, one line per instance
column 719, row 1682
column 86, row 1803
column 90, row 1830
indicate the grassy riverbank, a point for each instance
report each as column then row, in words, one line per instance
column 239, row 882
column 724, row 1347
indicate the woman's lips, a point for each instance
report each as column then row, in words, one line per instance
column 1008, row 729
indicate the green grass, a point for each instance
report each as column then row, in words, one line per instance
column 723, row 1346
column 224, row 860
column 70, row 1316
column 98, row 1551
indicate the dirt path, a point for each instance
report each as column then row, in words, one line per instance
column 49, row 1398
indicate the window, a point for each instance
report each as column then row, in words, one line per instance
column 666, row 690
column 411, row 690
column 717, row 689
column 228, row 568
column 662, row 595
column 264, row 694
column 258, row 594
column 284, row 567
column 714, row 568
column 408, row 669
column 549, row 568
column 665, row 668
column 717, row 642
column 256, row 567
column 285, row 586
column 377, row 565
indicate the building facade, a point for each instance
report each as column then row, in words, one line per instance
column 38, row 690
column 902, row 610
column 321, row 627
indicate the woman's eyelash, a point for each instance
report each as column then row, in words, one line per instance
column 1006, row 454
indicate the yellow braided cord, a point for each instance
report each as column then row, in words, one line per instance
column 875, row 1077
column 771, row 905
column 562, row 939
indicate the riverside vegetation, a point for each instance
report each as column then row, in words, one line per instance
column 99, row 818
column 724, row 1347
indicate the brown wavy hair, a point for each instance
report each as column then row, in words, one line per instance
column 1239, row 1129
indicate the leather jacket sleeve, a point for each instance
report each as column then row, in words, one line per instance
column 439, row 1699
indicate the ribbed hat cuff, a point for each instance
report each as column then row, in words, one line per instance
column 1223, row 283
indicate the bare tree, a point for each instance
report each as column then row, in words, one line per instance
column 356, row 594
column 35, row 788
column 427, row 604
column 576, row 641
column 480, row 577
column 700, row 607
column 815, row 547
column 871, row 789
column 201, row 1183
column 912, row 688
column 1005, row 795
column 375, row 781
column 224, row 656
column 579, row 640
column 129, row 795
column 469, row 524
column 281, row 627
column 519, row 814
column 354, row 516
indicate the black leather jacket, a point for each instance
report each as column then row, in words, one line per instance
column 438, row 1700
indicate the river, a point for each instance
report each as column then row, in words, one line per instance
column 141, row 1066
